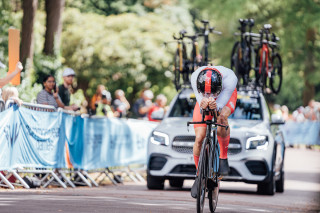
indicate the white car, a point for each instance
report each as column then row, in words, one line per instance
column 255, row 154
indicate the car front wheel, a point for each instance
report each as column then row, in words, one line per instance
column 280, row 183
column 176, row 183
column 155, row 182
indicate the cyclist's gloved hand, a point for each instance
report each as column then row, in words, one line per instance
column 204, row 103
column 212, row 103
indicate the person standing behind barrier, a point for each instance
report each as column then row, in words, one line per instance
column 64, row 89
column 159, row 109
column 49, row 94
column 96, row 99
column 11, row 93
column 142, row 106
column 10, row 76
column 120, row 104
column 104, row 107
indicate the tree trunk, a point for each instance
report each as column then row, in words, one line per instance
column 54, row 9
column 310, row 68
column 29, row 12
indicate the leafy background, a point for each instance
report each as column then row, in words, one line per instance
column 120, row 43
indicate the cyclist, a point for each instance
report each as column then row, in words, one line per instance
column 214, row 88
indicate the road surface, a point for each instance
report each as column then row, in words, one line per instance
column 302, row 194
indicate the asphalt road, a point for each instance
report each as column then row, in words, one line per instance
column 302, row 194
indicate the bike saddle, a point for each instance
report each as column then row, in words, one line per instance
column 183, row 31
column 267, row 26
column 251, row 22
column 205, row 21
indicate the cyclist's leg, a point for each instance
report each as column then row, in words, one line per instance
column 200, row 131
column 223, row 134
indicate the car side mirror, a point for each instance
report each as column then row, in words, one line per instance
column 158, row 114
column 277, row 119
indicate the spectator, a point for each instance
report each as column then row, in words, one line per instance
column 298, row 114
column 104, row 107
column 10, row 76
column 142, row 106
column 96, row 99
column 285, row 112
column 64, row 89
column 11, row 93
column 310, row 111
column 159, row 109
column 49, row 94
column 120, row 104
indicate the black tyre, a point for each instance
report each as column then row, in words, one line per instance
column 155, row 182
column 176, row 183
column 235, row 62
column 269, row 188
column 234, row 55
column 276, row 74
column 213, row 198
column 202, row 184
column 177, row 69
column 280, row 183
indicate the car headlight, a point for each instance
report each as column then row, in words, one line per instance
column 257, row 142
column 160, row 138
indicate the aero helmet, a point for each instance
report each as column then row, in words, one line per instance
column 209, row 81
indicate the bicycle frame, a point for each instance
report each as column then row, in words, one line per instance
column 207, row 162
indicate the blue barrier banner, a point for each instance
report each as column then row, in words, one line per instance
column 307, row 132
column 101, row 142
column 73, row 129
column 6, row 137
column 37, row 142
column 38, row 139
column 140, row 132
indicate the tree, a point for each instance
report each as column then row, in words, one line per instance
column 29, row 10
column 54, row 9
column 124, row 51
column 297, row 25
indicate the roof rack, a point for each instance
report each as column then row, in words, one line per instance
column 249, row 90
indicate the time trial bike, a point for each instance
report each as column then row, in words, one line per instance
column 208, row 166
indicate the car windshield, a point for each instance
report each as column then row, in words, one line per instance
column 183, row 107
column 248, row 108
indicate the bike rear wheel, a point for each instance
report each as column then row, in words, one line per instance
column 262, row 75
column 276, row 75
column 202, row 184
column 213, row 197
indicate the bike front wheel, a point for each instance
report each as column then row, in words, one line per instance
column 213, row 197
column 276, row 75
column 202, row 183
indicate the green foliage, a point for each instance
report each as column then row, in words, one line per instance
column 291, row 20
column 124, row 51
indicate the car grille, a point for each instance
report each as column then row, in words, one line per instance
column 183, row 144
column 234, row 146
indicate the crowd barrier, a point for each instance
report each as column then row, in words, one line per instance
column 296, row 133
column 60, row 142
